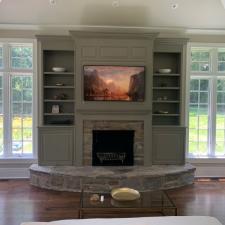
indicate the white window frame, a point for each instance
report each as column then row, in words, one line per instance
column 7, row 72
column 212, row 75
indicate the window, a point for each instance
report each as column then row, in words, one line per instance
column 200, row 60
column 16, row 100
column 207, row 102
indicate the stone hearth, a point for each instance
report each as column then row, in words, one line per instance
column 70, row 178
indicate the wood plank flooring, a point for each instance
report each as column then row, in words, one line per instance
column 20, row 202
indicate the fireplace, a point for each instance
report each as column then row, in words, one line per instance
column 113, row 148
column 130, row 126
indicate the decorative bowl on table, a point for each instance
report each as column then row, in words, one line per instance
column 125, row 194
column 166, row 70
column 58, row 69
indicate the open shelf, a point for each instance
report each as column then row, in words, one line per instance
column 58, row 100
column 165, row 101
column 166, row 89
column 58, row 73
column 58, row 96
column 166, row 75
column 59, row 87
column 165, row 114
column 58, row 114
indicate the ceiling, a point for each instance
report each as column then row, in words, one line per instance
column 190, row 14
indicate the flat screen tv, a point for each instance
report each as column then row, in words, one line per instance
column 114, row 83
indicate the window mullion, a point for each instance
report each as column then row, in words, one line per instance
column 6, row 75
column 6, row 106
column 213, row 102
column 212, row 114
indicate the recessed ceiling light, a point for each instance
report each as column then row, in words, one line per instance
column 115, row 3
column 52, row 2
column 174, row 6
column 223, row 3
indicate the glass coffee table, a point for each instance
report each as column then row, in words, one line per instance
column 150, row 203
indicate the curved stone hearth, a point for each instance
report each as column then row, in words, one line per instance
column 71, row 178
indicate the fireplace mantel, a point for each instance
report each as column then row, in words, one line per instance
column 113, row 48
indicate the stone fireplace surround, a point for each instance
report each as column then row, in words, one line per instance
column 137, row 126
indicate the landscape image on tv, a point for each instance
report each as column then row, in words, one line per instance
column 114, row 83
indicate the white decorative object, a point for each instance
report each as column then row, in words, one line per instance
column 102, row 198
column 59, row 84
column 167, row 70
column 55, row 109
column 58, row 69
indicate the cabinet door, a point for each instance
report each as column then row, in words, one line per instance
column 55, row 146
column 168, row 145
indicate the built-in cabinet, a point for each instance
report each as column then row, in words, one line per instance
column 56, row 100
column 168, row 145
column 57, row 108
column 168, row 117
column 56, row 146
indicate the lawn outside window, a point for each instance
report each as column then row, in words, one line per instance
column 206, row 116
column 16, row 99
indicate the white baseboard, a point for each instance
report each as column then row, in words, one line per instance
column 209, row 171
column 14, row 173
column 211, row 167
column 15, row 168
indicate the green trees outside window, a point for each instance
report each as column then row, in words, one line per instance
column 207, row 102
column 16, row 100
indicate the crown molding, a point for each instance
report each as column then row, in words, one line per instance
column 64, row 29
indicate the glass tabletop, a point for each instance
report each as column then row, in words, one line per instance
column 148, row 199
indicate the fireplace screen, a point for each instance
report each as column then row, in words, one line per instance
column 113, row 148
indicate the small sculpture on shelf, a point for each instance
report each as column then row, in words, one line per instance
column 163, row 98
column 61, row 96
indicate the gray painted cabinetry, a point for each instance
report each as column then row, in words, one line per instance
column 168, row 131
column 56, row 145
column 162, row 111
column 56, row 100
column 168, row 145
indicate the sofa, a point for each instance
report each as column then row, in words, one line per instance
column 167, row 220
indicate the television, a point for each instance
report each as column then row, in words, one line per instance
column 114, row 83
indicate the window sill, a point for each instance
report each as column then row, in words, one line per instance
column 217, row 161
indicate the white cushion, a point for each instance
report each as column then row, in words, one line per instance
column 166, row 220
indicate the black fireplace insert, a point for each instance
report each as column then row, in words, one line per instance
column 113, row 148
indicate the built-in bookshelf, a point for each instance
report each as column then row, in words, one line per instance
column 58, row 87
column 166, row 89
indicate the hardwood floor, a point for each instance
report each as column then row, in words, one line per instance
column 20, row 202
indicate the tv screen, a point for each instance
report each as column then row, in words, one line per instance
column 114, row 83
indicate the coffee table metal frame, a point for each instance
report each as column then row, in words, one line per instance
column 88, row 210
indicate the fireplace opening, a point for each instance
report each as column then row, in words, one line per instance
column 113, row 148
